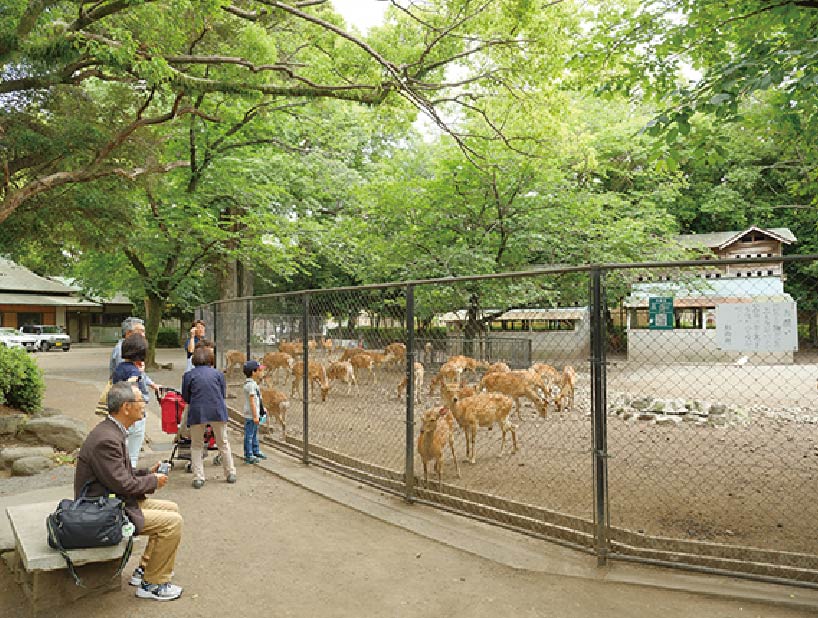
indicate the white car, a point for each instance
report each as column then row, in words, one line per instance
column 47, row 337
column 10, row 338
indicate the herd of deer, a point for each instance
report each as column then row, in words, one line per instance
column 485, row 403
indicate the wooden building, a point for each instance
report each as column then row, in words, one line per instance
column 27, row 298
column 697, row 292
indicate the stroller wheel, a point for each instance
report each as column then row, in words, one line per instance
column 217, row 460
column 188, row 468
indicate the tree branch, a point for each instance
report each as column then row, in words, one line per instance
column 14, row 199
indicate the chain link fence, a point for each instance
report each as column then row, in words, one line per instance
column 665, row 413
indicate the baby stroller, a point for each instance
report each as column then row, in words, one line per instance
column 174, row 422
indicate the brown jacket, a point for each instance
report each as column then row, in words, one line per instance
column 104, row 461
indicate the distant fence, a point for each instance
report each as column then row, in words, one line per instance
column 693, row 456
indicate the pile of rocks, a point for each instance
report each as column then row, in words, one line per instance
column 671, row 412
column 34, row 444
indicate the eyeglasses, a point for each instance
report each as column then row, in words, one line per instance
column 142, row 401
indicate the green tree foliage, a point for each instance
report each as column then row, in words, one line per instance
column 143, row 65
column 740, row 48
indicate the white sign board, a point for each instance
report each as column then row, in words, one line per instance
column 757, row 327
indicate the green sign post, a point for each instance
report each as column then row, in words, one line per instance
column 660, row 309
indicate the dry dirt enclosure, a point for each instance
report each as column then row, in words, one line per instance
column 750, row 481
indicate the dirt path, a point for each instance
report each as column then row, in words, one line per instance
column 265, row 547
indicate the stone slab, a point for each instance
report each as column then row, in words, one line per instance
column 52, row 494
column 28, row 526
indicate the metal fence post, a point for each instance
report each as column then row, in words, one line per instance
column 410, row 393
column 216, row 335
column 599, row 413
column 248, row 324
column 305, row 380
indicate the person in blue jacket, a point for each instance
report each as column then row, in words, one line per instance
column 132, row 369
column 204, row 389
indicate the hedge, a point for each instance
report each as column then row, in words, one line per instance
column 21, row 380
column 168, row 338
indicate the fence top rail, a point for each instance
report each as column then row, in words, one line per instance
column 548, row 270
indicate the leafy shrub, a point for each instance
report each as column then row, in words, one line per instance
column 21, row 380
column 168, row 338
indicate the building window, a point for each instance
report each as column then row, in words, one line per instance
column 533, row 325
column 24, row 318
column 769, row 272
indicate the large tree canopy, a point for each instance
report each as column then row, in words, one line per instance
column 706, row 55
column 162, row 61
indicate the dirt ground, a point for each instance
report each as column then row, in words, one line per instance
column 266, row 547
column 752, row 482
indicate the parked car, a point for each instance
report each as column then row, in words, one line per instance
column 47, row 337
column 11, row 338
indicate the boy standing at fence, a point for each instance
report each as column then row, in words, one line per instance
column 253, row 411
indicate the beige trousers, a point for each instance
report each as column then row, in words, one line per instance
column 163, row 527
column 197, row 449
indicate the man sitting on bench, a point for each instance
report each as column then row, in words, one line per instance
column 104, row 460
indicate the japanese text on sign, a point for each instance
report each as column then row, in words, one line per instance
column 757, row 327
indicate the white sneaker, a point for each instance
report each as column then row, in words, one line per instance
column 138, row 574
column 136, row 578
column 159, row 592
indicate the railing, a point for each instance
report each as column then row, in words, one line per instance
column 693, row 446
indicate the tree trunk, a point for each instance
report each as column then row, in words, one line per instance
column 235, row 281
column 813, row 328
column 154, row 307
column 245, row 283
column 472, row 329
column 228, row 279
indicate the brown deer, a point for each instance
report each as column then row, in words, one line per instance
column 436, row 431
column 276, row 404
column 317, row 377
column 484, row 410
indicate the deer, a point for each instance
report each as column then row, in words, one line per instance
column 517, row 385
column 276, row 404
column 547, row 372
column 562, row 390
column 234, row 358
column 452, row 370
column 498, row 367
column 436, row 431
column 398, row 352
column 452, row 393
column 484, row 410
column 348, row 353
column 342, row 371
column 293, row 348
column 326, row 345
column 364, row 361
column 317, row 376
column 275, row 361
column 417, row 384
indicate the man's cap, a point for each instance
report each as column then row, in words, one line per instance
column 252, row 365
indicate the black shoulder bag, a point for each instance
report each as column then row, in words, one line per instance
column 88, row 522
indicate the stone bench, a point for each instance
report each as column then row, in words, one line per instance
column 42, row 571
